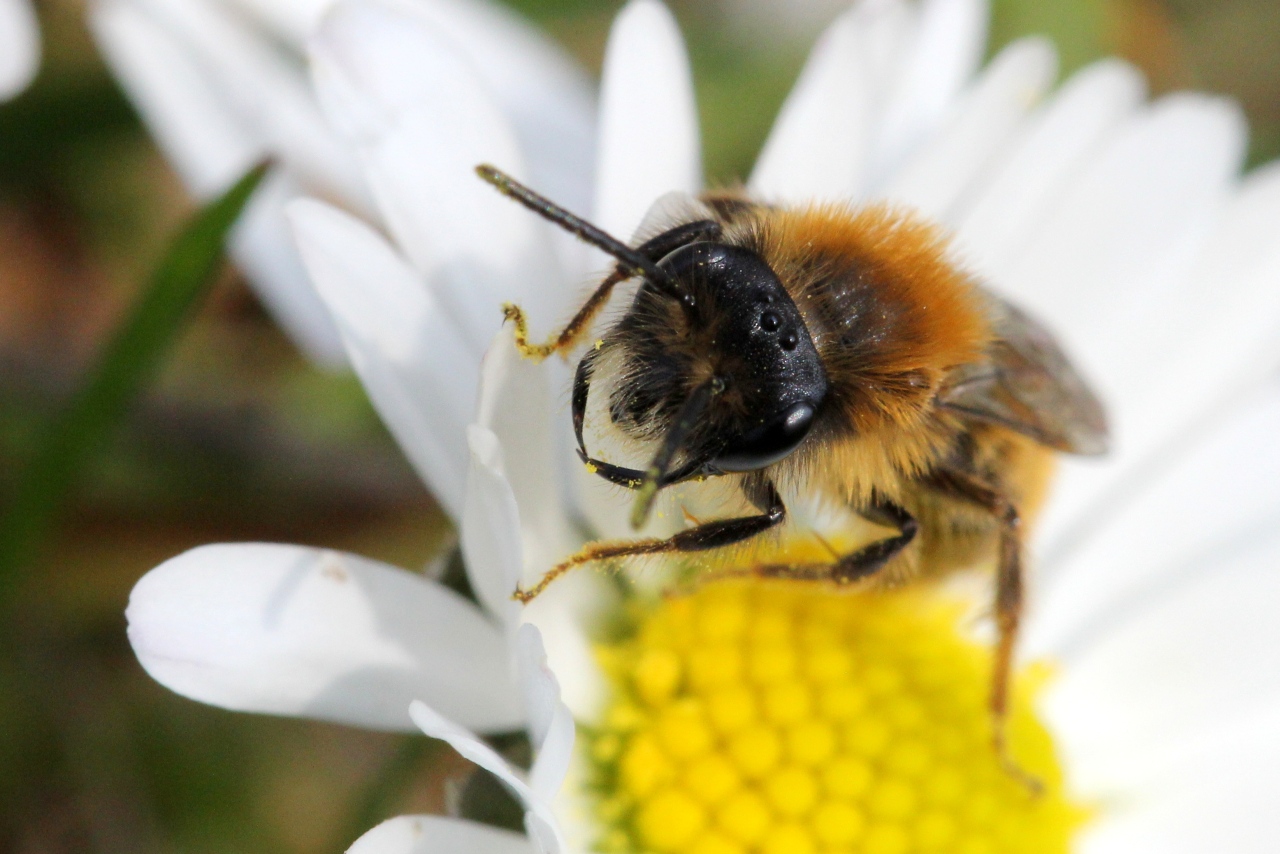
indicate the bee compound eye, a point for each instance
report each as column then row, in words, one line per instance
column 770, row 442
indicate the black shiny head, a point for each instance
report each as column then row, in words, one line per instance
column 743, row 331
column 713, row 356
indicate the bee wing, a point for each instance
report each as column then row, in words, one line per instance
column 1027, row 384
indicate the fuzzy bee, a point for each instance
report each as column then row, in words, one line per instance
column 834, row 352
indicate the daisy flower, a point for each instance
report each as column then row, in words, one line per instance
column 19, row 46
column 221, row 85
column 780, row 718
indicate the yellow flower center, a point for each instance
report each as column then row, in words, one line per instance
column 780, row 718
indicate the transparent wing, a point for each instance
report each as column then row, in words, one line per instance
column 1026, row 383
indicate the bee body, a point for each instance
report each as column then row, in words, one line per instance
column 837, row 353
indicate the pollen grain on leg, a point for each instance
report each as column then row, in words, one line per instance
column 780, row 718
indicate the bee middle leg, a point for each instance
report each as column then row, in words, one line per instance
column 1009, row 600
column 709, row 535
column 859, row 564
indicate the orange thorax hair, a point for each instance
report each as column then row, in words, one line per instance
column 891, row 316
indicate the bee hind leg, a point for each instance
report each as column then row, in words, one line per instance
column 1009, row 601
column 709, row 535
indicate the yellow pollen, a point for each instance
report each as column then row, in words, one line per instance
column 755, row 717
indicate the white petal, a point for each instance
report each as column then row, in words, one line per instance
column 1224, row 486
column 408, row 353
column 539, row 820
column 936, row 178
column 1229, row 305
column 211, row 147
column 515, row 404
column 1167, row 674
column 1052, row 148
column 563, row 614
column 422, row 121
column 263, row 247
column 944, row 52
column 818, row 146
column 1103, row 265
column 1224, row 801
column 491, row 542
column 1222, row 341
column 434, row 834
column 300, row 631
column 269, row 94
column 19, row 46
column 197, row 129
column 550, row 723
column 291, row 20
column 546, row 96
column 648, row 139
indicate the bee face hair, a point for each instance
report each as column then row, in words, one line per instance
column 744, row 335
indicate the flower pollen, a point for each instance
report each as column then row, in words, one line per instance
column 780, row 718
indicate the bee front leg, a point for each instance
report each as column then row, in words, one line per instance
column 1009, row 601
column 710, row 535
column 655, row 250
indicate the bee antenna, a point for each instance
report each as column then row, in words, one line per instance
column 629, row 260
column 655, row 476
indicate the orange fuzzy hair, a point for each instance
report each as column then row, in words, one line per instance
column 890, row 316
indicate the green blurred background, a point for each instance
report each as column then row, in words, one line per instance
column 240, row 439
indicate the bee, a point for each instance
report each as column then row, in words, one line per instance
column 828, row 351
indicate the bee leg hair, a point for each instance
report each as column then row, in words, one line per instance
column 709, row 535
column 1010, row 595
column 655, row 250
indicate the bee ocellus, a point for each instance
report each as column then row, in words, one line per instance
column 836, row 351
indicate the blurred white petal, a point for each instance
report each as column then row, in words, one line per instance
column 546, row 96
column 941, row 55
column 1052, row 148
column 422, row 121
column 648, row 138
column 300, row 631
column 1221, row 489
column 491, row 542
column 211, row 147
column 263, row 247
column 818, row 146
column 195, row 127
column 539, row 820
column 19, row 46
column 417, row 371
column 936, row 178
column 1102, row 265
column 1173, row 671
column 434, row 834
column 1223, row 339
column 268, row 93
column 1223, row 801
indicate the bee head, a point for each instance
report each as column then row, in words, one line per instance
column 730, row 344
column 713, row 356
